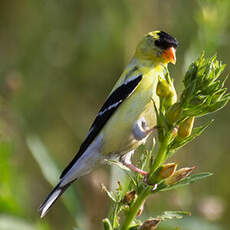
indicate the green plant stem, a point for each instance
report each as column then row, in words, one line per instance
column 113, row 217
column 205, row 72
column 135, row 208
column 161, row 156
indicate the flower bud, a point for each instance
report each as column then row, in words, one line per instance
column 163, row 88
column 166, row 171
column 185, row 128
column 179, row 175
column 163, row 172
column 174, row 112
column 172, row 98
column 129, row 197
column 150, row 224
column 166, row 90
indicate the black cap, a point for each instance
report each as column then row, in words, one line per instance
column 166, row 41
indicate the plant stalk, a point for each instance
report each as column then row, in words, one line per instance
column 161, row 156
column 135, row 208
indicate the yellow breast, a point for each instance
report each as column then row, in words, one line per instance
column 118, row 137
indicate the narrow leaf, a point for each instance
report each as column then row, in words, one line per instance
column 168, row 215
column 109, row 194
column 117, row 163
column 107, row 224
column 188, row 180
column 51, row 173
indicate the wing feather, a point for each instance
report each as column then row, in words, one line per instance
column 110, row 106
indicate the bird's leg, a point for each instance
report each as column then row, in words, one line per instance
column 126, row 160
column 140, row 132
column 150, row 130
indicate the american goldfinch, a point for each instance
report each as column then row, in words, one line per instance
column 127, row 117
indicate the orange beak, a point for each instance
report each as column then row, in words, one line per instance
column 170, row 55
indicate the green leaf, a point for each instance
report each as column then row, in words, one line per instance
column 191, row 223
column 47, row 165
column 107, row 224
column 188, row 180
column 51, row 173
column 11, row 222
column 109, row 194
column 169, row 215
column 204, row 92
column 136, row 227
column 133, row 180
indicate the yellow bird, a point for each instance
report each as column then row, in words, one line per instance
column 127, row 117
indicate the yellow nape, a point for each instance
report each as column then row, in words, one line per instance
column 147, row 50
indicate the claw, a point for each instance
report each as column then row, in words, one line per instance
column 147, row 131
column 126, row 161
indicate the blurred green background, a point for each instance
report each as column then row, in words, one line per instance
column 58, row 62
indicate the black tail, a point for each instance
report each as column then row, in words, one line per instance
column 52, row 197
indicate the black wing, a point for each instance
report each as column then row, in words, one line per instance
column 112, row 103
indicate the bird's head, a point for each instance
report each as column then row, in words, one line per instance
column 157, row 46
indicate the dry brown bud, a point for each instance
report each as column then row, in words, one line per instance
column 129, row 197
column 166, row 171
column 179, row 175
column 150, row 224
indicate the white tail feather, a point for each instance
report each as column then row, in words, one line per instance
column 89, row 160
column 52, row 197
column 49, row 202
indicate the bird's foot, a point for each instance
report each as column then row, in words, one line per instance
column 126, row 161
column 150, row 130
column 135, row 169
